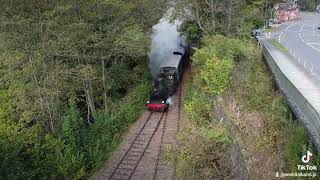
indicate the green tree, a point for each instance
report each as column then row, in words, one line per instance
column 53, row 51
column 229, row 18
column 71, row 158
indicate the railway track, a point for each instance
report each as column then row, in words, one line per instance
column 141, row 155
column 129, row 162
column 163, row 145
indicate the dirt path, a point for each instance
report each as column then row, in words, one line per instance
column 141, row 154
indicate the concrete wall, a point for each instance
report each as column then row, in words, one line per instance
column 301, row 106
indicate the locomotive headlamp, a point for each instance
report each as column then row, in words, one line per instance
column 162, row 102
column 148, row 102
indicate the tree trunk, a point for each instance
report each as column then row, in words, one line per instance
column 212, row 16
column 89, row 97
column 104, row 88
column 229, row 18
column 198, row 17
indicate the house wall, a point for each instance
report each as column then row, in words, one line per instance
column 287, row 15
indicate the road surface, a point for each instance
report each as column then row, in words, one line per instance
column 302, row 39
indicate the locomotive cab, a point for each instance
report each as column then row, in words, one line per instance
column 170, row 79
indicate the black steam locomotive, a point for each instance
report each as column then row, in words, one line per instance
column 168, row 79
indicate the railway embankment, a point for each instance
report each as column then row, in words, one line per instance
column 254, row 125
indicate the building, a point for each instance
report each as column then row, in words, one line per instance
column 286, row 11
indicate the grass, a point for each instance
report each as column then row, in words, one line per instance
column 203, row 152
column 255, row 91
column 203, row 144
column 299, row 144
column 271, row 29
column 277, row 44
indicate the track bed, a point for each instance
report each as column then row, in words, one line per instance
column 141, row 154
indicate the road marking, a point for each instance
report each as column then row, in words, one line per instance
column 292, row 31
column 307, row 31
column 308, row 25
column 301, row 28
column 287, row 28
column 302, row 38
column 314, row 43
column 290, row 26
column 313, row 34
column 313, row 47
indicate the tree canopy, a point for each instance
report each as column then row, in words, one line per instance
column 92, row 54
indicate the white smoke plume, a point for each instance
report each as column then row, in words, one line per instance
column 165, row 40
column 170, row 101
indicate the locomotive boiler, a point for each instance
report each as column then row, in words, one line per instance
column 169, row 78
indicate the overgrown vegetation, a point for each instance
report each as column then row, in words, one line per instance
column 308, row 5
column 228, row 18
column 263, row 118
column 73, row 76
column 278, row 45
column 205, row 143
column 203, row 153
column 299, row 144
column 233, row 68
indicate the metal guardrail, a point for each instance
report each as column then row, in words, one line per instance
column 305, row 112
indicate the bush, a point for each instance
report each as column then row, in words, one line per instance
column 298, row 146
column 70, row 155
column 203, row 153
column 204, row 146
column 215, row 61
column 198, row 107
column 215, row 75
column 191, row 30
column 105, row 134
column 26, row 155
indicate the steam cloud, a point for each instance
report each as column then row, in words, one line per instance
column 165, row 40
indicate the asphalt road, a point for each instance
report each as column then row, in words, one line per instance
column 302, row 39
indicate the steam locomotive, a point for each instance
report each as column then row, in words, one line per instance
column 168, row 79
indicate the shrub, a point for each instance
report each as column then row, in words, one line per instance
column 203, row 153
column 204, row 146
column 105, row 134
column 198, row 107
column 191, row 30
column 70, row 157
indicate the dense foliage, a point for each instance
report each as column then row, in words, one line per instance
column 205, row 145
column 308, row 5
column 73, row 76
column 229, row 18
column 213, row 64
column 256, row 93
